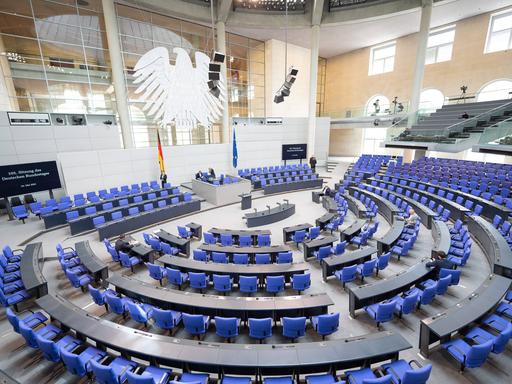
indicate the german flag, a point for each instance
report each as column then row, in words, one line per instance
column 160, row 153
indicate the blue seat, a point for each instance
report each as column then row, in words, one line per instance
column 20, row 212
column 198, row 280
column 301, row 281
column 128, row 261
column 133, row 211
column 346, row 274
column 166, row 318
column 114, row 372
column 226, row 239
column 184, row 232
column 196, row 324
column 90, row 210
column 262, row 258
column 278, row 380
column 222, row 283
column 70, row 215
column 195, row 378
column 366, row 269
column 236, row 380
column 49, row 332
column 407, row 303
column 245, row 240
column 248, row 284
column 117, row 215
column 275, row 284
column 499, row 342
column 209, row 238
column 116, row 303
column 176, row 277
column 260, row 328
column 168, row 249
column 339, row 248
column 299, row 237
column 382, row 262
column 51, row 349
column 284, row 257
column 326, row 324
column 227, row 327
column 97, row 296
column 402, row 372
column 156, row 272
column 322, row 252
column 264, row 240
column 453, row 273
column 155, row 243
column 77, row 280
column 314, row 232
column 327, row 378
column 80, row 364
column 141, row 313
column 150, row 375
column 381, row 312
column 427, row 295
column 366, row 376
column 469, row 356
column 32, row 321
column 240, row 258
column 200, row 255
column 294, row 327
column 219, row 257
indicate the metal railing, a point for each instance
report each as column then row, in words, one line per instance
column 500, row 134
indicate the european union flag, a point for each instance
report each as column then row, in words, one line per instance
column 235, row 150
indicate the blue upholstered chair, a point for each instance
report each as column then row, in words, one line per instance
column 208, row 238
column 200, row 255
column 301, row 281
column 139, row 312
column 326, row 324
column 499, row 342
column 196, row 324
column 32, row 321
column 166, row 318
column 114, row 372
column 156, row 272
column 366, row 269
column 382, row 262
column 260, row 329
column 184, row 232
column 284, row 257
column 98, row 296
column 227, row 327
column 240, row 258
column 339, row 248
column 294, row 327
column 263, row 240
column 51, row 349
column 299, row 237
column 80, row 364
column 219, row 257
column 402, row 372
column 469, row 356
column 406, row 303
column 314, row 232
column 222, row 283
column 150, row 375
column 198, row 280
column 322, row 252
column 381, row 312
column 128, row 261
column 245, row 240
column 226, row 239
column 275, row 284
column 346, row 274
column 262, row 258
column 176, row 277
column 248, row 284
column 116, row 304
column 366, row 376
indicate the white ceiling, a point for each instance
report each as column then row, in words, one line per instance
column 363, row 33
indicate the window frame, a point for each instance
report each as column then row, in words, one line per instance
column 371, row 66
column 492, row 18
column 438, row 31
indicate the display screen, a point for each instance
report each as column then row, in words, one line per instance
column 294, row 151
column 18, row 179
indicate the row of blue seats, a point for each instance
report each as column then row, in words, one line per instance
column 370, row 205
column 406, row 302
column 224, row 283
column 226, row 239
column 128, row 261
column 72, row 267
column 273, row 181
column 491, row 334
column 366, row 269
column 272, row 168
column 12, row 290
column 197, row 325
column 281, row 174
column 241, row 258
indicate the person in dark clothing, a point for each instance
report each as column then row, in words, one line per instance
column 465, row 115
column 199, row 175
column 212, row 173
column 163, row 178
column 312, row 163
column 439, row 261
column 327, row 191
column 123, row 245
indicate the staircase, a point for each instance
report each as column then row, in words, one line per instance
column 330, row 165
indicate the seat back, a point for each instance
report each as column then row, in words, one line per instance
column 226, row 239
column 328, row 323
column 182, row 232
column 248, row 283
column 104, row 374
column 197, row 280
column 294, row 327
column 284, row 257
column 219, row 257
column 299, row 236
column 324, row 252
column 260, row 328
column 209, row 238
column 97, row 296
column 368, row 267
column 115, row 303
column 174, row 276
column 314, row 232
column 348, row 273
column 500, row 343
column 385, row 311
column 428, row 295
column 72, row 363
column 478, row 354
column 137, row 313
column 383, row 261
column 155, row 271
column 48, row 348
column 418, row 375
column 245, row 240
column 28, row 334
column 240, row 258
column 163, row 318
column 264, row 240
column 222, row 282
column 301, row 281
column 262, row 258
column 442, row 285
column 409, row 303
column 453, row 273
column 13, row 319
column 226, row 326
column 194, row 323
column 200, row 255
column 275, row 283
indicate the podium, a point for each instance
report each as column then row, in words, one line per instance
column 246, row 202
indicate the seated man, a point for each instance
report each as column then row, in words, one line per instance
column 439, row 261
column 199, row 175
column 123, row 245
column 327, row 191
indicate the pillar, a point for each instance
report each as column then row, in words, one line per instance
column 116, row 59
column 419, row 68
column 221, row 47
column 315, row 42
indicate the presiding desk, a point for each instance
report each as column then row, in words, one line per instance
column 96, row 267
column 234, row 270
column 352, row 230
column 292, row 186
column 364, row 295
column 288, row 232
column 311, row 246
column 30, row 269
column 443, row 325
column 144, row 219
column 269, row 216
column 225, row 358
column 222, row 194
column 213, row 305
column 236, row 233
column 494, row 245
column 178, row 242
column 332, row 263
column 273, row 250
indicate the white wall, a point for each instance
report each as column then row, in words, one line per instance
column 297, row 104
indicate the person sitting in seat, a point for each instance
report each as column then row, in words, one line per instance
column 412, row 219
column 211, row 173
column 123, row 245
column 439, row 261
column 464, row 116
column 199, row 175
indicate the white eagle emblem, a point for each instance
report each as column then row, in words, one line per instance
column 178, row 94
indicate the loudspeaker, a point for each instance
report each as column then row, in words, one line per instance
column 285, row 89
column 214, row 67
column 213, row 76
column 218, row 57
column 278, row 99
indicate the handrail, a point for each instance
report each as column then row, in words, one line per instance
column 447, row 130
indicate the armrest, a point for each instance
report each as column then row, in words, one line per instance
column 416, row 362
column 17, row 250
column 122, row 372
column 458, row 349
column 68, row 248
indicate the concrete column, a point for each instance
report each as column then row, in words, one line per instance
column 408, row 155
column 419, row 68
column 419, row 153
column 221, row 47
column 315, row 42
column 116, row 58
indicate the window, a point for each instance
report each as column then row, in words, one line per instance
column 440, row 45
column 499, row 36
column 377, row 105
column 431, row 99
column 382, row 58
column 495, row 90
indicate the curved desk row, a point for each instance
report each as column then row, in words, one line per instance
column 224, row 358
column 490, row 208
column 59, row 217
column 269, row 216
column 442, row 237
column 386, row 208
column 177, row 242
column 457, row 211
column 30, row 268
column 441, row 326
column 310, row 246
column 495, row 246
column 332, row 263
column 352, row 230
column 364, row 295
column 425, row 213
column 288, row 232
column 85, row 222
column 234, row 270
column 292, row 186
column 329, row 204
column 213, row 305
column 273, row 250
column 355, row 206
column 133, row 223
column 96, row 267
column 236, row 233
column 325, row 219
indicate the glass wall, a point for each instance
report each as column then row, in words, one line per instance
column 54, row 56
column 141, row 31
